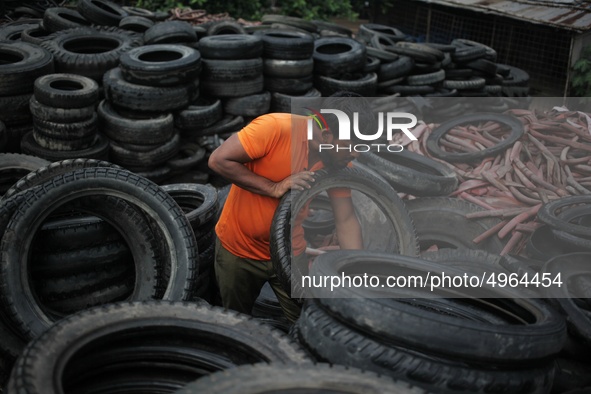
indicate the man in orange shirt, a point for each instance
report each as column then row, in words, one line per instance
column 266, row 159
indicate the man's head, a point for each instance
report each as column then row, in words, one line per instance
column 334, row 151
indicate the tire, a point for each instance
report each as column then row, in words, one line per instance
column 199, row 114
column 489, row 53
column 227, row 124
column 159, row 155
column 136, row 11
column 85, row 129
column 231, row 47
column 332, row 341
column 99, row 150
column 466, row 51
column 279, row 68
column 426, row 79
column 474, row 83
column 146, row 99
column 396, row 69
column 63, row 115
column 34, row 35
column 433, row 140
column 199, row 202
column 102, row 12
column 89, row 52
column 149, row 131
column 228, row 89
column 13, row 33
column 298, row 23
column 205, row 332
column 382, row 55
column 225, row 27
column 66, row 91
column 248, row 106
column 403, row 241
column 293, row 86
column 48, row 170
column 153, row 276
column 136, row 24
column 256, row 379
column 338, row 55
column 529, row 330
column 231, row 70
column 170, row 32
column 281, row 102
column 433, row 218
column 24, row 63
column 368, row 30
column 549, row 214
column 63, row 145
column 515, row 77
column 412, row 173
column 15, row 166
column 14, row 110
column 160, row 65
column 362, row 84
column 286, row 45
column 61, row 18
column 372, row 65
column 484, row 66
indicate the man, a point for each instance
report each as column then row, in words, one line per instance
column 266, row 159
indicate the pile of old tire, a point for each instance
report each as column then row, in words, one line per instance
column 492, row 341
column 200, row 204
column 147, row 347
column 89, row 51
column 123, row 238
column 23, row 63
column 141, row 94
column 65, row 123
column 340, row 64
column 288, row 66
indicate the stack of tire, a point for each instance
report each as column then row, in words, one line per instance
column 64, row 119
column 23, row 64
column 288, row 67
column 140, row 97
column 340, row 65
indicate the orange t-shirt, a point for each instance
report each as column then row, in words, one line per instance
column 278, row 146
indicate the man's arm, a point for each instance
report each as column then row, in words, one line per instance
column 228, row 161
column 347, row 224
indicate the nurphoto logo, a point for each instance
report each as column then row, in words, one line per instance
column 388, row 121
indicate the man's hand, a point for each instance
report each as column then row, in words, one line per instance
column 299, row 181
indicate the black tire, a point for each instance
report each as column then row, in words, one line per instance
column 225, row 27
column 332, row 341
column 168, row 275
column 61, row 18
column 85, row 129
column 258, row 379
column 363, row 84
column 14, row 110
column 23, row 65
column 170, row 32
column 102, row 12
column 293, row 86
column 281, row 102
column 368, row 30
column 188, row 338
column 64, row 115
column 382, row 55
column 288, row 68
column 89, row 51
column 286, row 45
column 231, row 70
column 248, row 106
column 99, row 150
column 160, row 65
column 66, row 91
column 372, row 65
column 298, row 23
column 227, row 124
column 147, row 99
column 137, row 24
column 515, row 77
column 154, row 130
column 231, row 47
column 398, row 68
column 412, row 173
column 15, row 166
column 489, row 53
column 63, row 145
column 13, row 33
column 483, row 66
column 434, row 217
column 199, row 202
column 467, row 51
column 332, row 27
column 34, row 35
column 159, row 155
column 426, row 79
column 433, row 140
column 549, row 214
column 199, row 114
column 403, row 238
column 408, row 90
column 338, row 55
column 474, row 83
column 517, row 330
column 137, row 11
column 44, row 173
column 237, row 88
